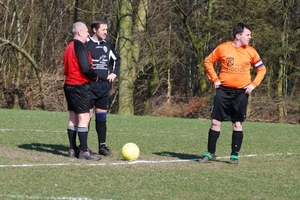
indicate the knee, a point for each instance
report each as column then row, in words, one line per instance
column 216, row 125
column 101, row 116
column 237, row 126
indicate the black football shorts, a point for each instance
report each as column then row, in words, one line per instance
column 99, row 97
column 230, row 105
column 78, row 98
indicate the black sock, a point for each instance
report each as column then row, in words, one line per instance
column 236, row 143
column 101, row 132
column 83, row 135
column 212, row 140
column 72, row 136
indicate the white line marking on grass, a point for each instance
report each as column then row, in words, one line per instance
column 14, row 196
column 36, row 197
column 30, row 130
column 136, row 161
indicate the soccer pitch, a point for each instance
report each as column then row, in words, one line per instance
column 34, row 162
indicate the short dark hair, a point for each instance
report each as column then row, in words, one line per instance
column 97, row 22
column 239, row 28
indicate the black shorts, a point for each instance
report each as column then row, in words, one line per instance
column 78, row 98
column 230, row 105
column 99, row 97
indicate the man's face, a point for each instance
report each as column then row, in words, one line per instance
column 101, row 32
column 245, row 37
column 83, row 33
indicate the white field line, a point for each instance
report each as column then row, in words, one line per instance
column 136, row 161
column 46, row 198
column 30, row 130
column 115, row 163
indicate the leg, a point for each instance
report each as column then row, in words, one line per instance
column 237, row 140
column 101, row 128
column 73, row 119
column 213, row 135
column 83, row 123
column 218, row 115
column 239, row 115
column 91, row 116
column 79, row 105
column 72, row 132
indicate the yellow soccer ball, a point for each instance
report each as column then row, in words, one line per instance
column 130, row 151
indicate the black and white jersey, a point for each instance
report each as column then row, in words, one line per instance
column 105, row 58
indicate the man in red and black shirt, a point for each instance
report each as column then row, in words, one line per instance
column 78, row 75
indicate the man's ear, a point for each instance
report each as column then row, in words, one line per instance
column 79, row 32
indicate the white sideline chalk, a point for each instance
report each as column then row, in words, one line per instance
column 135, row 162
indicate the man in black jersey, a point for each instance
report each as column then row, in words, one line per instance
column 106, row 64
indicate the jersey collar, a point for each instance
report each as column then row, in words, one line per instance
column 99, row 42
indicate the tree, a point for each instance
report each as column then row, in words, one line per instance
column 126, row 87
column 282, row 87
column 20, row 41
column 198, row 40
column 37, row 37
column 162, row 44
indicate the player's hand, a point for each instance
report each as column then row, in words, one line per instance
column 249, row 88
column 217, row 84
column 111, row 77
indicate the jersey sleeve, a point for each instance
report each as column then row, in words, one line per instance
column 209, row 65
column 260, row 69
column 116, row 61
column 84, row 62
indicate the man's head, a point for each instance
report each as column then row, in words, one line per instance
column 80, row 31
column 242, row 33
column 99, row 28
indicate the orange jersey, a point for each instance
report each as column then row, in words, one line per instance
column 235, row 68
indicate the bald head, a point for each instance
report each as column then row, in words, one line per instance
column 80, row 31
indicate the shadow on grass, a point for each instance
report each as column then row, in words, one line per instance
column 49, row 148
column 183, row 156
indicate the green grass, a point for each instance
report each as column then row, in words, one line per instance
column 34, row 162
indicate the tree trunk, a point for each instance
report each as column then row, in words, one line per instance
column 169, row 90
column 281, row 106
column 126, row 87
column 16, row 104
column 281, row 89
column 138, row 28
column 201, row 50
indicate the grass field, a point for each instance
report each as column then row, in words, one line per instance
column 34, row 162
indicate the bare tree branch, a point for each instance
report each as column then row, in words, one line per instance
column 2, row 4
column 22, row 51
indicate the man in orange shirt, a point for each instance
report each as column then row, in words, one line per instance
column 233, row 85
